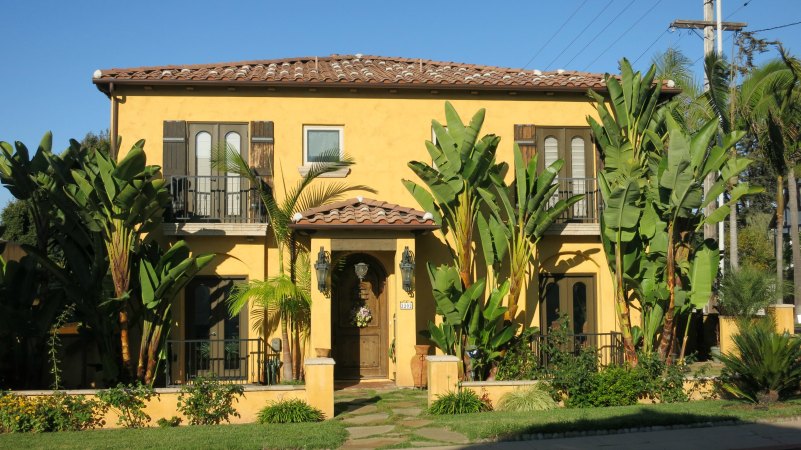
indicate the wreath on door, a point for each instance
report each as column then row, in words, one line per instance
column 361, row 316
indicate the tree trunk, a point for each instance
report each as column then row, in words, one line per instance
column 286, row 354
column 622, row 309
column 779, row 238
column 734, row 257
column 126, row 350
column 794, row 237
column 666, row 341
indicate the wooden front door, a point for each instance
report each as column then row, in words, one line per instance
column 360, row 352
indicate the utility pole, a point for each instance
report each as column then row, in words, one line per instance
column 709, row 25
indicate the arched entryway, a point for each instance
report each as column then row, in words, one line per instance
column 360, row 350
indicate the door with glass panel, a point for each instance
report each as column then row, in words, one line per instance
column 575, row 147
column 213, row 193
column 213, row 344
column 570, row 298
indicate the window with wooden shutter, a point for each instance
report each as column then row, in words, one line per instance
column 174, row 156
column 525, row 139
column 262, row 147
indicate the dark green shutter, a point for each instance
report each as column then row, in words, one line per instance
column 174, row 163
column 525, row 139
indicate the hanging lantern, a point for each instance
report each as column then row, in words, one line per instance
column 407, row 269
column 322, row 267
column 361, row 270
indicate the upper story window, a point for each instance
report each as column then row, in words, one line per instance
column 320, row 142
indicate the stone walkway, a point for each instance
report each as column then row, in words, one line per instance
column 389, row 420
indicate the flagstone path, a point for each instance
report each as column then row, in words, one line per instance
column 393, row 419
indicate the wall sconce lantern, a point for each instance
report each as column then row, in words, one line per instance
column 361, row 270
column 407, row 269
column 322, row 267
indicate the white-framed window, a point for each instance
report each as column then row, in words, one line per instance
column 318, row 140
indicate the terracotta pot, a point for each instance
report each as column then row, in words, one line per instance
column 420, row 366
column 323, row 352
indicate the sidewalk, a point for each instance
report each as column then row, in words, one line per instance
column 763, row 436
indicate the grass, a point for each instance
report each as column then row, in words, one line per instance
column 507, row 425
column 330, row 434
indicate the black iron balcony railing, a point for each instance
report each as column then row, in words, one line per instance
column 218, row 198
column 586, row 210
column 239, row 361
column 609, row 347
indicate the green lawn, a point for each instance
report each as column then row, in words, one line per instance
column 330, row 434
column 502, row 425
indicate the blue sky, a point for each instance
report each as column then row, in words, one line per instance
column 50, row 48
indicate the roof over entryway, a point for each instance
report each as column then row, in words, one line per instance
column 363, row 214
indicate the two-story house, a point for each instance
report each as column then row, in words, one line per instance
column 282, row 114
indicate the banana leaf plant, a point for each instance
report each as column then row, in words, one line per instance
column 122, row 202
column 468, row 320
column 162, row 276
column 520, row 214
column 461, row 165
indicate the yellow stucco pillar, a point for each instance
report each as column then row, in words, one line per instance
column 728, row 328
column 320, row 384
column 443, row 375
column 405, row 323
column 783, row 318
column 320, row 301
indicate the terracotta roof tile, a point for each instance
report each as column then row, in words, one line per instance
column 359, row 70
column 363, row 213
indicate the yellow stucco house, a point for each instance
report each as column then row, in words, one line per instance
column 281, row 114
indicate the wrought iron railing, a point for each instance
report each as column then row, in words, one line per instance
column 609, row 347
column 585, row 210
column 239, row 361
column 223, row 199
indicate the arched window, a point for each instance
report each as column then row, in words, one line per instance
column 203, row 172
column 551, row 306
column 233, row 185
column 551, row 150
column 579, row 308
column 579, row 175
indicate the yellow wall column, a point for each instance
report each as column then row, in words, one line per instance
column 728, row 328
column 443, row 375
column 320, row 301
column 405, row 324
column 783, row 317
column 320, row 384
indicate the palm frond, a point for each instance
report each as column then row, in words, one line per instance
column 315, row 196
column 719, row 77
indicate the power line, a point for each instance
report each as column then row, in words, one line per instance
column 617, row 39
column 745, row 3
column 777, row 27
column 556, row 33
column 614, row 19
column 652, row 44
column 578, row 35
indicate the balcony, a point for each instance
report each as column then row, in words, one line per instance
column 582, row 217
column 214, row 205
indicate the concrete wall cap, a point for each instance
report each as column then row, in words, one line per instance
column 319, row 361
column 442, row 358
column 502, row 383
column 164, row 390
column 781, row 306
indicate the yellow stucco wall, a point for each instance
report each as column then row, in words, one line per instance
column 383, row 131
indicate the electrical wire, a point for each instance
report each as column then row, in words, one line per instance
column 578, row 35
column 617, row 39
column 556, row 33
column 614, row 19
column 652, row 44
column 777, row 27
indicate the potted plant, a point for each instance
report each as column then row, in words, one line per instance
column 743, row 295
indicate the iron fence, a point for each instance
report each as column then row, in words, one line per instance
column 238, row 361
column 585, row 210
column 222, row 199
column 609, row 347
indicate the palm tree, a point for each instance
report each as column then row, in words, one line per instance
column 285, row 302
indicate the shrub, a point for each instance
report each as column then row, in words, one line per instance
column 534, row 398
column 207, row 401
column 520, row 362
column 767, row 366
column 57, row 412
column 172, row 422
column 128, row 401
column 663, row 381
column 464, row 401
column 289, row 411
column 745, row 291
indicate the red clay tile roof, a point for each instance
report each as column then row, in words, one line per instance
column 363, row 213
column 355, row 71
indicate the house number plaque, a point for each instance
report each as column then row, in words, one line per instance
column 406, row 305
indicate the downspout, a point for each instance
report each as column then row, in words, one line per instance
column 113, row 138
